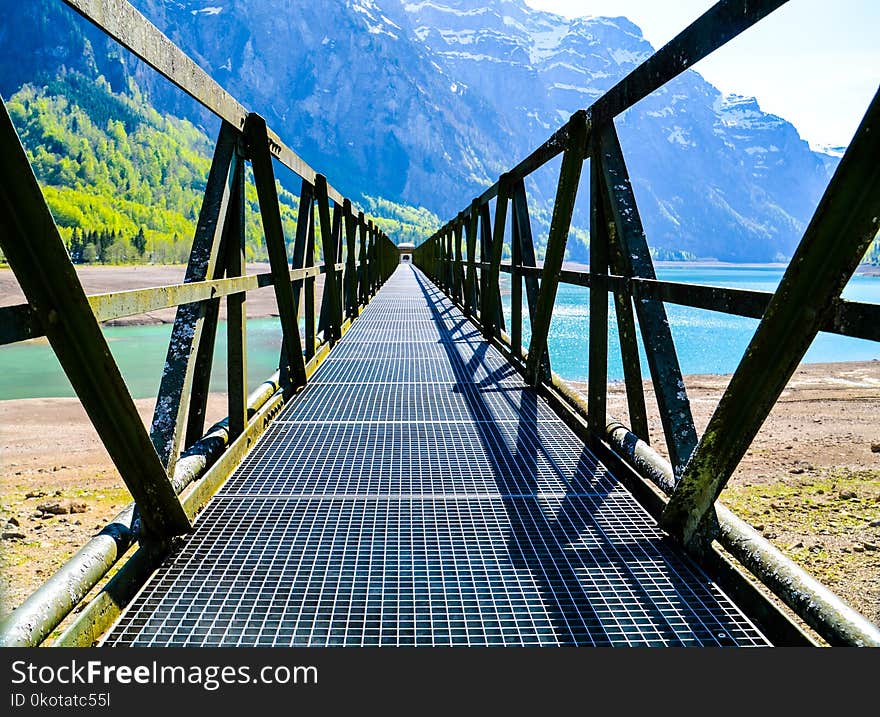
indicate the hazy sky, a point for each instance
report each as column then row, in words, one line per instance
column 814, row 62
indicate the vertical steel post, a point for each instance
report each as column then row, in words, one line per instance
column 626, row 331
column 672, row 400
column 485, row 254
column 450, row 254
column 515, row 284
column 330, row 310
column 351, row 282
column 309, row 286
column 371, row 264
column 527, row 255
column 185, row 368
column 236, row 338
column 202, row 368
column 566, row 192
column 362, row 259
column 598, row 347
column 470, row 299
column 458, row 277
column 304, row 218
column 293, row 373
column 338, row 229
column 491, row 323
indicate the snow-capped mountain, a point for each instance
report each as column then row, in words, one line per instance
column 426, row 102
column 714, row 176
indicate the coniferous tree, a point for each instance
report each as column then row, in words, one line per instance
column 140, row 242
column 76, row 247
column 103, row 242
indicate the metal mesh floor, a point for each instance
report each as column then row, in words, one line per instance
column 417, row 493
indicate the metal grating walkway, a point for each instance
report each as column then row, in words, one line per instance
column 417, row 493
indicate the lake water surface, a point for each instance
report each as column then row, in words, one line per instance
column 707, row 342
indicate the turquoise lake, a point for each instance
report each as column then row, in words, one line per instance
column 707, row 342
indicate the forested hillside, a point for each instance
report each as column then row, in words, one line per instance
column 125, row 182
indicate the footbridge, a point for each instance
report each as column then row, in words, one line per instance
column 415, row 473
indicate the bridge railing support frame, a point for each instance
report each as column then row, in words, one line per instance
column 621, row 264
column 173, row 469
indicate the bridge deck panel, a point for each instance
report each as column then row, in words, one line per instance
column 415, row 402
column 423, row 370
column 418, row 493
column 420, row 458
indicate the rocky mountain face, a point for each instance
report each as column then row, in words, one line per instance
column 714, row 176
column 427, row 102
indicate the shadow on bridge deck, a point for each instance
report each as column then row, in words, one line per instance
column 418, row 493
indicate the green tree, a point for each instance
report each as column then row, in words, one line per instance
column 116, row 171
column 117, row 253
column 139, row 242
column 76, row 247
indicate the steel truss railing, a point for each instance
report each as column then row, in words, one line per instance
column 807, row 301
column 174, row 467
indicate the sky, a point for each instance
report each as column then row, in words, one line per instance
column 814, row 62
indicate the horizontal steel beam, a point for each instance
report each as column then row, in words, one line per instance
column 20, row 322
column 856, row 319
column 849, row 318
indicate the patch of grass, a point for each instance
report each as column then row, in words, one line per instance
column 837, row 501
column 826, row 522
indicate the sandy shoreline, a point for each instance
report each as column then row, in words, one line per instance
column 830, row 408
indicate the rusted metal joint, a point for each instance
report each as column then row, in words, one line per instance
column 242, row 148
column 709, row 530
column 247, row 139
